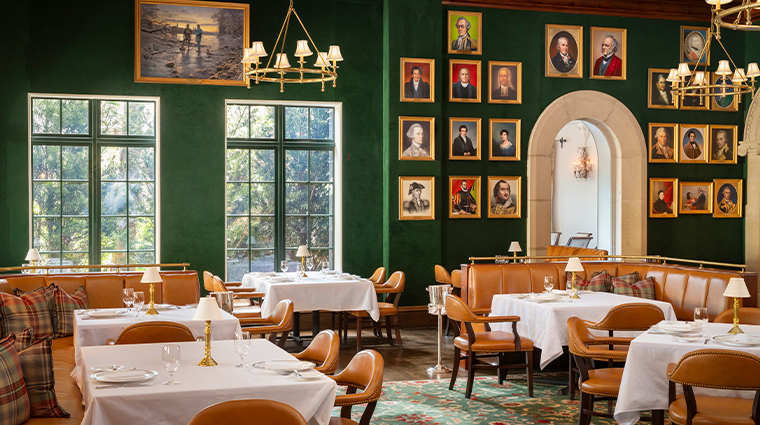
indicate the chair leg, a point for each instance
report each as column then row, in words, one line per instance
column 398, row 332
column 587, row 405
column 658, row 417
column 571, row 376
column 388, row 330
column 358, row 334
column 470, row 374
column 455, row 369
column 345, row 327
column 502, row 372
column 283, row 339
column 529, row 361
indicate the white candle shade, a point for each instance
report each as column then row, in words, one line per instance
column 302, row 251
column 753, row 70
column 151, row 275
column 723, row 68
column 699, row 78
column 672, row 76
column 515, row 247
column 334, row 54
column 683, row 70
column 574, row 265
column 32, row 255
column 208, row 309
column 721, row 2
column 303, row 49
column 321, row 60
column 282, row 61
column 739, row 77
column 736, row 288
column 257, row 49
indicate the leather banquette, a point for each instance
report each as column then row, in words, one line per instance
column 682, row 286
column 104, row 290
column 574, row 251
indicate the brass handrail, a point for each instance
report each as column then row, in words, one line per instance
column 646, row 258
column 118, row 267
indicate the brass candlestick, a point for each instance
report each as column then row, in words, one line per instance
column 152, row 310
column 207, row 360
column 575, row 295
column 735, row 330
column 514, row 257
column 303, row 267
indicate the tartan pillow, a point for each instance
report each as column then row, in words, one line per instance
column 65, row 305
column 24, row 339
column 14, row 401
column 35, row 309
column 641, row 289
column 37, row 365
column 628, row 278
column 598, row 282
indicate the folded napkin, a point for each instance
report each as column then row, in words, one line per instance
column 741, row 338
column 543, row 297
column 560, row 291
column 346, row 278
column 676, row 327
column 281, row 279
column 123, row 375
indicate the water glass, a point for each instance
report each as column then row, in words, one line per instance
column 700, row 317
column 548, row 283
column 170, row 357
column 310, row 263
column 139, row 301
column 284, row 265
column 325, row 266
column 129, row 298
column 242, row 345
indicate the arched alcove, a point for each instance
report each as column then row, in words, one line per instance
column 628, row 168
column 750, row 147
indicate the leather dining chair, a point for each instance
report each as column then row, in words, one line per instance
column 716, row 369
column 378, row 277
column 246, row 299
column 234, row 412
column 365, row 372
column 324, row 351
column 280, row 321
column 209, row 285
column 486, row 344
column 747, row 316
column 153, row 332
column 393, row 288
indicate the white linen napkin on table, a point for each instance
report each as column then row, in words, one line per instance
column 123, row 375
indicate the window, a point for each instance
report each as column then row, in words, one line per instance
column 94, row 180
column 281, row 186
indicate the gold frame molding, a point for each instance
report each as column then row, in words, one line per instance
column 706, row 57
column 492, row 138
column 734, row 130
column 402, row 136
column 623, row 42
column 475, row 193
column 653, row 195
column 516, row 79
column 489, row 193
column 737, row 184
column 681, row 193
column 650, row 87
column 652, row 141
column 431, row 64
column 575, row 31
column 479, row 87
column 456, row 15
column 685, row 128
column 478, row 144
column 402, row 182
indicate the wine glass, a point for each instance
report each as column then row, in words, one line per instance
column 548, row 283
column 170, row 356
column 139, row 301
column 310, row 263
column 324, row 265
column 284, row 265
column 700, row 317
column 129, row 298
column 242, row 345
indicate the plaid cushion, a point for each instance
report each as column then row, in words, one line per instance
column 14, row 401
column 37, row 365
column 35, row 309
column 598, row 282
column 65, row 305
column 628, row 278
column 641, row 289
column 24, row 339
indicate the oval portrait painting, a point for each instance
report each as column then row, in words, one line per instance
column 563, row 52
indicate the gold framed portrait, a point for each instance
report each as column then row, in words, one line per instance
column 662, row 145
column 417, row 80
column 504, row 140
column 464, row 139
column 504, row 196
column 659, row 95
column 607, row 59
column 416, row 198
column 504, row 82
column 696, row 197
column 564, row 51
column 693, row 43
column 464, row 196
column 695, row 103
column 724, row 141
column 729, row 102
column 693, row 143
column 663, row 198
column 465, row 33
column 416, row 138
column 465, row 80
column 728, row 198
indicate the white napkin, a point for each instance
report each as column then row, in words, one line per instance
column 741, row 338
column 281, row 279
column 126, row 375
column 543, row 296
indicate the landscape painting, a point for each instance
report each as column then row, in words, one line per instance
column 190, row 42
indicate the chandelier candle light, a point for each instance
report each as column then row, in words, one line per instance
column 574, row 266
column 208, row 310
column 303, row 252
column 736, row 288
column 514, row 248
column 151, row 276
column 325, row 67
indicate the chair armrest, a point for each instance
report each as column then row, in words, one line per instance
column 671, row 368
column 269, row 328
column 610, row 340
column 251, row 320
column 242, row 295
column 381, row 290
column 228, row 284
column 497, row 319
column 617, row 356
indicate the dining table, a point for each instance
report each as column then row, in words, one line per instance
column 150, row 401
column 644, row 385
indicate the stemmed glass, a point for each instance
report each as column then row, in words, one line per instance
column 139, row 301
column 284, row 265
column 242, row 345
column 325, row 266
column 310, row 263
column 700, row 317
column 129, row 298
column 548, row 284
column 170, row 356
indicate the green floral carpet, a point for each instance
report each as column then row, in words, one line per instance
column 431, row 402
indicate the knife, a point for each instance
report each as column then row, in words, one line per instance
column 103, row 387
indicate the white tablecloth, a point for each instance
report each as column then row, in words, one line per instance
column 546, row 323
column 93, row 331
column 316, row 293
column 645, row 381
column 199, row 387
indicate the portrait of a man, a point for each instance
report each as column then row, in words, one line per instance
column 607, row 53
column 504, row 197
column 723, row 143
column 563, row 51
column 693, row 143
column 660, row 96
column 465, row 79
column 661, row 142
column 505, row 89
column 663, row 197
column 416, row 205
column 464, row 197
column 505, row 136
column 694, row 198
column 465, row 31
column 464, row 138
column 563, row 61
column 462, row 145
column 416, row 138
column 728, row 198
column 693, row 40
column 416, row 198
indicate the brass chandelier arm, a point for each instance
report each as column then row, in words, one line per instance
column 746, row 7
column 333, row 68
column 260, row 74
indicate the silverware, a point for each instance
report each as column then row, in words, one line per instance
column 104, row 387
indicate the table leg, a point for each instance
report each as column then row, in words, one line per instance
column 296, row 332
column 658, row 417
column 314, row 323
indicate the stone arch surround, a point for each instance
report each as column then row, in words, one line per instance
column 628, row 168
column 750, row 147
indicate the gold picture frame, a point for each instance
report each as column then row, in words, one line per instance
column 465, row 147
column 696, row 197
column 500, row 73
column 667, row 206
column 659, row 95
column 728, row 103
column 458, row 92
column 425, row 90
column 693, row 43
column 497, row 126
column 730, row 206
column 729, row 135
column 556, row 66
column 698, row 154
column 617, row 65
column 416, row 198
column 695, row 103
column 461, row 202
column 409, row 130
column 160, row 52
column 504, row 196
column 468, row 45
column 668, row 153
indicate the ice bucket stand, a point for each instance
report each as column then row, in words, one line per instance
column 437, row 295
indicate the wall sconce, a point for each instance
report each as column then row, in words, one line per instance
column 582, row 166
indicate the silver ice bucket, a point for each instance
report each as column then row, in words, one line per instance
column 225, row 300
column 438, row 293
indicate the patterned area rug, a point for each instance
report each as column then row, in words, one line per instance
column 431, row 402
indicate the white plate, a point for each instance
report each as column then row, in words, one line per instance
column 729, row 340
column 677, row 329
column 124, row 376
column 107, row 368
column 105, row 313
column 159, row 307
column 309, row 375
column 543, row 299
column 518, row 296
column 688, row 338
column 284, row 365
column 560, row 292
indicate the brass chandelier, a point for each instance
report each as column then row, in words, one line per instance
column 687, row 82
column 325, row 68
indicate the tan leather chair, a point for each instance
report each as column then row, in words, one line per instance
column 378, row 277
column 246, row 299
column 717, row 369
column 234, row 412
column 393, row 287
column 486, row 344
column 442, row 276
column 364, row 371
column 324, row 351
column 150, row 332
column 747, row 316
column 280, row 321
